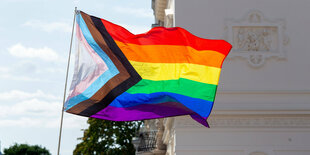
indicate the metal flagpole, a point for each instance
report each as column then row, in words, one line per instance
column 64, row 98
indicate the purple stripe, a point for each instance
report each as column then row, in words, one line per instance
column 143, row 111
column 201, row 120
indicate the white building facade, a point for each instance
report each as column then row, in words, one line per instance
column 262, row 105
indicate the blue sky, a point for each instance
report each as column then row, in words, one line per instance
column 34, row 44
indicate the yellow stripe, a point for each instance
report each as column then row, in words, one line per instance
column 173, row 71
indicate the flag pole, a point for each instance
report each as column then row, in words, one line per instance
column 65, row 89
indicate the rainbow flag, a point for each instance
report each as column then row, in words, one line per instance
column 164, row 72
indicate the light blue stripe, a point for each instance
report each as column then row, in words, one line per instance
column 102, row 79
column 89, row 38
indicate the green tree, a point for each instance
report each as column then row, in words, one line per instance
column 107, row 138
column 25, row 149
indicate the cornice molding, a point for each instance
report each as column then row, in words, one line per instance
column 280, row 92
column 249, row 121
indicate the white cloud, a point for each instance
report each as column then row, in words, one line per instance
column 25, row 68
column 21, row 122
column 37, row 113
column 136, row 29
column 138, row 12
column 14, row 0
column 31, row 68
column 37, row 109
column 55, row 70
column 32, row 107
column 70, row 122
column 17, row 94
column 30, row 113
column 4, row 70
column 29, row 72
column 49, row 26
column 24, row 78
column 45, row 53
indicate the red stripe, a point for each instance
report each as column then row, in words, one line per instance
column 166, row 36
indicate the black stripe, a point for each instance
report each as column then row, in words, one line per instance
column 113, row 46
column 124, row 86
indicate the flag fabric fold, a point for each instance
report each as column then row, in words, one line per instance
column 161, row 73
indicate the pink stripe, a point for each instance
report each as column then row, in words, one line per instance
column 92, row 53
column 101, row 66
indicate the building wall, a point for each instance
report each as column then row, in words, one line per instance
column 263, row 101
column 289, row 74
column 238, row 136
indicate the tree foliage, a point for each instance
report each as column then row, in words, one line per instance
column 108, row 138
column 25, row 149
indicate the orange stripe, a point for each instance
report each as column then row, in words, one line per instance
column 171, row 54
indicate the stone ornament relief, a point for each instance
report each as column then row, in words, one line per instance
column 256, row 38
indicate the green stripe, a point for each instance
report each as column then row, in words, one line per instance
column 181, row 86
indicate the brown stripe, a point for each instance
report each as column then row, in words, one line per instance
column 112, row 83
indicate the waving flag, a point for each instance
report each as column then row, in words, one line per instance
column 165, row 72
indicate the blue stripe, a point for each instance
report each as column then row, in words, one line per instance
column 102, row 79
column 201, row 107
